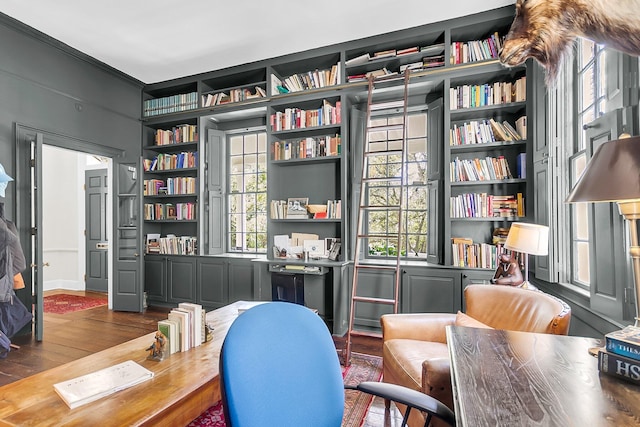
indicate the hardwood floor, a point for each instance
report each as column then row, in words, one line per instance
column 71, row 336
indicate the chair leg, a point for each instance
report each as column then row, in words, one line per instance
column 387, row 404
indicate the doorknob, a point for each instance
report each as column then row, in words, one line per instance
column 32, row 265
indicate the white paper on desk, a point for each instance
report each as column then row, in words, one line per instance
column 87, row 388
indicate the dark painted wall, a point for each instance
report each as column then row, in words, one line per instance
column 46, row 85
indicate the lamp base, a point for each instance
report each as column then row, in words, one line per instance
column 527, row 285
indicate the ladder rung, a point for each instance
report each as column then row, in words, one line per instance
column 381, row 208
column 399, row 126
column 389, row 78
column 383, row 153
column 382, row 179
column 375, row 267
column 377, row 236
column 366, row 334
column 387, row 105
column 373, row 300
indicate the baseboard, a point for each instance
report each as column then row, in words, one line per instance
column 69, row 285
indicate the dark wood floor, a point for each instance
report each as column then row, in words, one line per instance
column 68, row 337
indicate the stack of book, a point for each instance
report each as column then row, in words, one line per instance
column 185, row 327
column 621, row 356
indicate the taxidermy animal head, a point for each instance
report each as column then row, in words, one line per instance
column 545, row 29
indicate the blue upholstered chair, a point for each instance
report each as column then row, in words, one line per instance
column 279, row 367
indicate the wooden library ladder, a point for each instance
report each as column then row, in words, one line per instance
column 389, row 152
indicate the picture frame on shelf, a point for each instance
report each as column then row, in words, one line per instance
column 297, row 207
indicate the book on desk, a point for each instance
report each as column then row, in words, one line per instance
column 90, row 387
column 621, row 356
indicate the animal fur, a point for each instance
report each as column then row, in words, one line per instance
column 546, row 29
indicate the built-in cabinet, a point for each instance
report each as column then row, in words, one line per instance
column 308, row 104
column 211, row 281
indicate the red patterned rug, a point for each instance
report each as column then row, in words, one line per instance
column 66, row 303
column 363, row 368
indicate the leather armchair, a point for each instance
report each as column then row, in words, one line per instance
column 415, row 352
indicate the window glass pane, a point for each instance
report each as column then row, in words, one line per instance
column 235, row 164
column 581, row 262
column 587, row 84
column 235, row 145
column 251, row 143
column 235, row 183
column 586, row 52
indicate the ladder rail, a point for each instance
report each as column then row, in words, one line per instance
column 363, row 207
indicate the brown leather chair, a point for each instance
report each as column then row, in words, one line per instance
column 415, row 351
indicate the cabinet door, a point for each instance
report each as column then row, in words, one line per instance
column 212, row 284
column 427, row 290
column 155, row 283
column 240, row 280
column 377, row 284
column 181, row 279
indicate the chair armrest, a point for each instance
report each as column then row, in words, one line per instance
column 416, row 326
column 409, row 397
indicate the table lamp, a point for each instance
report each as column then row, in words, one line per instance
column 528, row 239
column 613, row 175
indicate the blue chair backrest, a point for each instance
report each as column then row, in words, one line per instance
column 279, row 367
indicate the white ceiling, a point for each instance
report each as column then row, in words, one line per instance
column 160, row 40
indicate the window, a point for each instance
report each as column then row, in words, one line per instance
column 590, row 103
column 413, row 241
column 247, row 192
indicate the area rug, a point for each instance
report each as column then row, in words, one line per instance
column 362, row 368
column 66, row 303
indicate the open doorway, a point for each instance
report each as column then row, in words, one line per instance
column 76, row 220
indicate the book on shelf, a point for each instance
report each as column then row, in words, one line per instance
column 625, row 342
column 407, row 51
column 197, row 330
column 170, row 329
column 619, row 366
column 176, row 135
column 153, row 243
column 521, row 165
column 432, row 49
column 95, row 385
column 466, row 253
column 384, row 54
column 521, row 126
column 358, row 60
column 184, row 319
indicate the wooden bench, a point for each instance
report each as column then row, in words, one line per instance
column 185, row 385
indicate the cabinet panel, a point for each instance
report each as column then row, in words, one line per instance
column 471, row 277
column 240, row 280
column 430, row 291
column 377, row 284
column 181, row 279
column 155, row 279
column 212, row 284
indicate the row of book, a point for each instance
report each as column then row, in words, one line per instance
column 297, row 118
column 164, row 162
column 390, row 53
column 171, row 244
column 497, row 93
column 296, row 208
column 170, row 211
column 170, row 104
column 307, row 148
column 233, row 95
column 484, row 132
column 176, row 135
column 620, row 357
column 476, row 50
column 487, row 169
column 183, row 185
column 304, row 81
column 483, row 205
column 467, row 254
column 426, row 63
column 185, row 327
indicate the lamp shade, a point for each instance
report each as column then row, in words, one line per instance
column 532, row 239
column 612, row 174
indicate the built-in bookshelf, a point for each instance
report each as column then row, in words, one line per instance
column 487, row 152
column 170, row 188
column 306, row 173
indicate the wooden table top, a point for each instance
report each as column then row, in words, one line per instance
column 190, row 376
column 506, row 378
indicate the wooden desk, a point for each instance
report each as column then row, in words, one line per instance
column 503, row 378
column 185, row 384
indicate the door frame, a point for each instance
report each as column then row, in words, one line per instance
column 24, row 135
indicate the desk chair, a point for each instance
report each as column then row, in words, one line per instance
column 279, row 366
